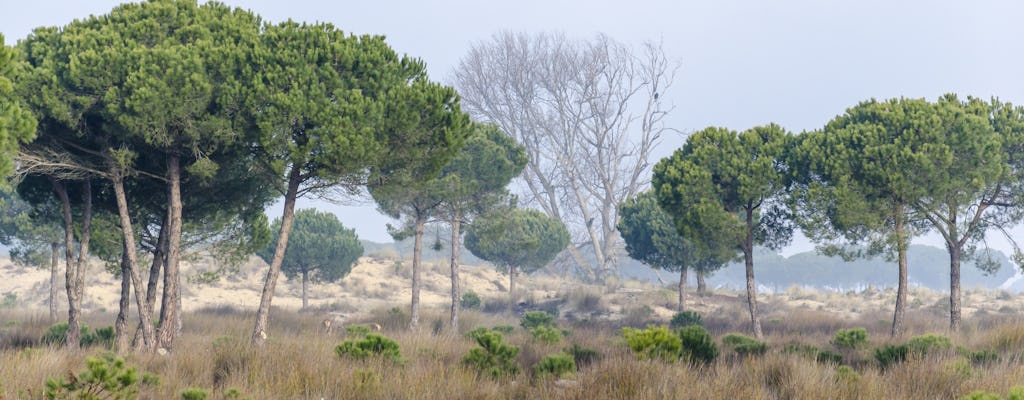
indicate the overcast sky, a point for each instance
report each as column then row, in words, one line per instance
column 744, row 63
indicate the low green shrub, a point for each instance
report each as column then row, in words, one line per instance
column 744, row 345
column 103, row 378
column 193, row 393
column 697, row 344
column 357, row 330
column 685, row 318
column 814, row 353
column 850, row 338
column 470, row 301
column 533, row 319
column 984, row 356
column 655, row 342
column 493, row 358
column 555, row 366
column 546, row 334
column 891, row 354
column 924, row 344
column 57, row 335
column 1016, row 393
column 372, row 345
column 582, row 356
column 504, row 329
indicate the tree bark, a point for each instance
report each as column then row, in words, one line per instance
column 83, row 242
column 130, row 267
column 259, row 332
column 456, row 287
column 121, row 340
column 954, row 287
column 305, row 289
column 901, row 289
column 702, row 286
column 417, row 260
column 159, row 257
column 168, row 308
column 512, row 288
column 54, row 276
column 682, row 290
column 74, row 331
column 748, row 261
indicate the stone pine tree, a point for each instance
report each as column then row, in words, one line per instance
column 516, row 241
column 728, row 185
column 652, row 238
column 16, row 124
column 473, row 183
column 34, row 235
column 860, row 177
column 320, row 249
column 335, row 111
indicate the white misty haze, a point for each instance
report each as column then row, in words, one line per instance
column 744, row 63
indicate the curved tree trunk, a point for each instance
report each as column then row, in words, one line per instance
column 305, row 289
column 54, row 279
column 168, row 306
column 417, row 260
column 682, row 290
column 130, row 267
column 901, row 289
column 159, row 257
column 456, row 287
column 122, row 342
column 702, row 286
column 748, row 261
column 259, row 331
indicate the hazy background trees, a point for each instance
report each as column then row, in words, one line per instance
column 589, row 113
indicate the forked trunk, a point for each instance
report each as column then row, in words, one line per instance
column 456, row 288
column 682, row 290
column 259, row 331
column 901, row 289
column 130, row 267
column 168, row 307
column 417, row 260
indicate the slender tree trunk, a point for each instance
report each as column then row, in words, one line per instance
column 259, row 332
column 456, row 288
column 682, row 290
column 130, row 267
column 168, row 308
column 74, row 331
column 178, row 314
column 702, row 286
column 748, row 261
column 83, row 243
column 121, row 340
column 159, row 257
column 954, row 287
column 901, row 289
column 417, row 261
column 512, row 289
column 54, row 279
column 305, row 289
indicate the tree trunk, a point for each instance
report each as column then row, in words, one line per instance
column 417, row 260
column 168, row 306
column 305, row 289
column 453, row 321
column 130, row 267
column 74, row 331
column 159, row 257
column 83, row 242
column 682, row 290
column 702, row 286
column 748, row 261
column 901, row 289
column 121, row 340
column 954, row 287
column 54, row 276
column 259, row 331
column 512, row 288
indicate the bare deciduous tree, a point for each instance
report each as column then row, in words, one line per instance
column 589, row 113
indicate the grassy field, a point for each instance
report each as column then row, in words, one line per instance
column 300, row 362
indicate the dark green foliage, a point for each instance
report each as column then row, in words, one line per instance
column 853, row 338
column 984, row 356
column 533, row 319
column 106, row 378
column 319, row 245
column 546, row 334
column 744, row 345
column 829, row 357
column 685, row 318
column 1015, row 393
column 697, row 344
column 814, row 353
column 56, row 335
column 924, row 344
column 193, row 394
column 582, row 356
column 891, row 354
column 372, row 345
column 493, row 358
column 655, row 342
column 514, row 238
column 470, row 301
column 559, row 366
column 16, row 123
column 505, row 329
column 357, row 330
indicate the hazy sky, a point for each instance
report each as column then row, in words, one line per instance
column 744, row 63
